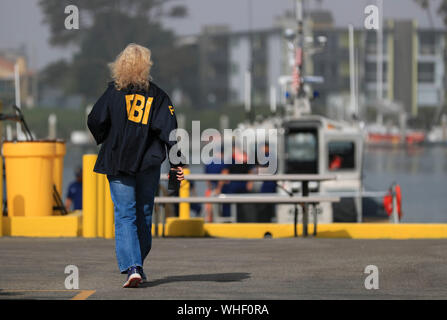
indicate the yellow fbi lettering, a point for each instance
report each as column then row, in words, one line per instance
column 138, row 107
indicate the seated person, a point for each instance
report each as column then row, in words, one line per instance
column 74, row 193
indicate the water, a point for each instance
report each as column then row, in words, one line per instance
column 420, row 171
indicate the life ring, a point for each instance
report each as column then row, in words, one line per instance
column 399, row 200
column 388, row 201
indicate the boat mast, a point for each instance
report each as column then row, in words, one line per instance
column 301, row 102
column 298, row 49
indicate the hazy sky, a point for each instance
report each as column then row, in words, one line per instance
column 21, row 20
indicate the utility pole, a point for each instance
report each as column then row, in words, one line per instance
column 353, row 108
column 380, row 64
column 301, row 101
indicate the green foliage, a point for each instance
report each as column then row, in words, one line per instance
column 442, row 9
column 106, row 27
column 67, row 121
column 74, row 119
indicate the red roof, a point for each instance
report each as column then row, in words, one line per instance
column 6, row 64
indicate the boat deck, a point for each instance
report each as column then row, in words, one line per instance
column 211, row 268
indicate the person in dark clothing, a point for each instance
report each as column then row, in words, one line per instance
column 195, row 207
column 235, row 167
column 266, row 211
column 74, row 193
column 267, row 186
column 214, row 167
column 133, row 121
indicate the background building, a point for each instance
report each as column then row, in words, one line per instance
column 413, row 64
column 8, row 60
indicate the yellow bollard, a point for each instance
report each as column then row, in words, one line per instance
column 184, row 208
column 1, row 194
column 108, row 212
column 89, row 193
column 100, row 203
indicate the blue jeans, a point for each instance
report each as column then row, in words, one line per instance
column 133, row 199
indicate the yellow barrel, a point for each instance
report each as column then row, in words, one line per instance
column 100, row 203
column 1, row 179
column 29, row 177
column 58, row 164
column 89, row 197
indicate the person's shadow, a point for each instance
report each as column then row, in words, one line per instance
column 214, row 277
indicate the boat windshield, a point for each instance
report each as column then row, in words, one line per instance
column 302, row 146
column 302, row 151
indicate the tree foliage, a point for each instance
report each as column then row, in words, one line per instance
column 441, row 9
column 105, row 28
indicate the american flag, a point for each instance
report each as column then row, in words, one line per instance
column 296, row 77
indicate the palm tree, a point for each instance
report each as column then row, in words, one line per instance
column 425, row 4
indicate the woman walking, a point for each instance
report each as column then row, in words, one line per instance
column 133, row 120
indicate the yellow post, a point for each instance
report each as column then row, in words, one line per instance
column 184, row 207
column 1, row 192
column 108, row 212
column 100, row 198
column 89, row 218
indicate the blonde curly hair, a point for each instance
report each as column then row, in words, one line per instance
column 132, row 67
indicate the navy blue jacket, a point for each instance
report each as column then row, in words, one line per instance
column 133, row 127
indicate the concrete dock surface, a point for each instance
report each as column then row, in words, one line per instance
column 211, row 268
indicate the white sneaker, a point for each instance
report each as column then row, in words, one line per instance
column 133, row 278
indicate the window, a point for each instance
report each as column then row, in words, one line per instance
column 302, row 146
column 258, row 42
column 344, row 69
column 344, row 40
column 341, row 155
column 234, row 41
column 319, row 68
column 302, row 151
column 234, row 94
column 371, row 42
column 234, row 68
column 371, row 71
column 426, row 72
column 427, row 43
